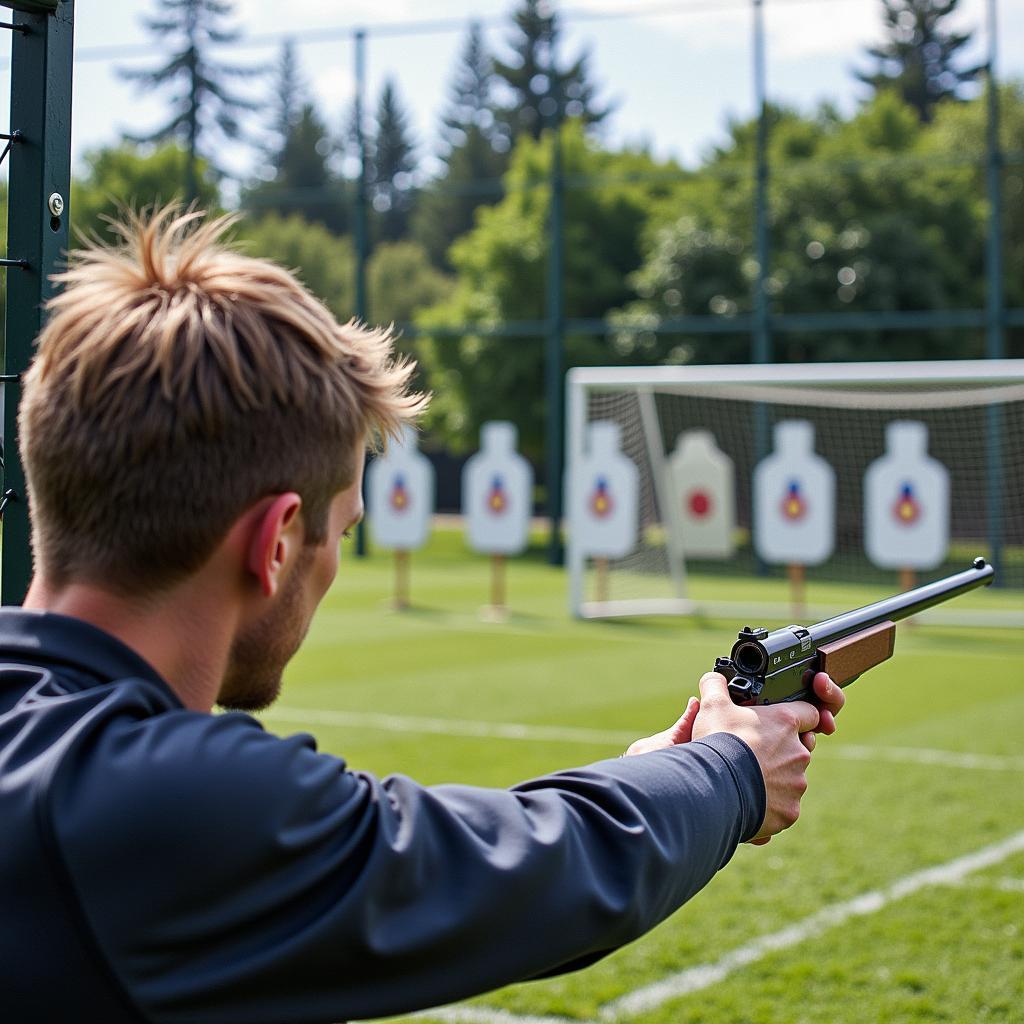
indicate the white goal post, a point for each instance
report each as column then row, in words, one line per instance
column 972, row 410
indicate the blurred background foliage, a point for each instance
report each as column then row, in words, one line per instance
column 882, row 209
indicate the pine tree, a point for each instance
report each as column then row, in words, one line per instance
column 474, row 151
column 296, row 175
column 469, row 112
column 392, row 163
column 287, row 99
column 302, row 181
column 204, row 111
column 544, row 92
column 918, row 58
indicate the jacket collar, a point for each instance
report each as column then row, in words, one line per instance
column 46, row 638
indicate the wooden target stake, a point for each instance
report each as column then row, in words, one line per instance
column 908, row 580
column 601, row 568
column 498, row 582
column 496, row 611
column 401, row 579
column 796, row 589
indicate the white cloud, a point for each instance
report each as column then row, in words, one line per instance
column 797, row 31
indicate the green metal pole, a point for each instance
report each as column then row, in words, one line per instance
column 996, row 301
column 761, row 347
column 192, row 157
column 360, row 227
column 761, row 340
column 555, row 342
column 37, row 233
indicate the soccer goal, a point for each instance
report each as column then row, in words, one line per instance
column 773, row 491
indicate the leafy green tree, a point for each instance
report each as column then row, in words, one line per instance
column 863, row 218
column 323, row 262
column 473, row 149
column 401, row 282
column 400, row 279
column 392, row 163
column 204, row 110
column 961, row 128
column 919, row 57
column 544, row 91
column 130, row 176
column 501, row 268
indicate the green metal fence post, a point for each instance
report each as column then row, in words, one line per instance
column 761, row 340
column 554, row 344
column 360, row 226
column 761, row 343
column 995, row 298
column 37, row 234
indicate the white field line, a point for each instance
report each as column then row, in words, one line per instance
column 999, row 884
column 613, row 737
column 485, row 1015
column 694, row 979
column 924, row 756
column 449, row 726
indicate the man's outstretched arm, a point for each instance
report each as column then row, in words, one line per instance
column 251, row 878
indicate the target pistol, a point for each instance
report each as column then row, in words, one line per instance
column 772, row 667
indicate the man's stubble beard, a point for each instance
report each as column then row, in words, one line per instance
column 260, row 653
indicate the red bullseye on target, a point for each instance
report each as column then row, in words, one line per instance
column 794, row 507
column 907, row 509
column 601, row 503
column 699, row 504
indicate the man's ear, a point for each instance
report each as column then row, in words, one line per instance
column 277, row 535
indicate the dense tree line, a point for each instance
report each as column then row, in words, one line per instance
column 884, row 210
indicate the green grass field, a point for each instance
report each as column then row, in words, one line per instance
column 898, row 896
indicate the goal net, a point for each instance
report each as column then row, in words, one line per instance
column 792, row 492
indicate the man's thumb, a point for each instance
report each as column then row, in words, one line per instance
column 714, row 688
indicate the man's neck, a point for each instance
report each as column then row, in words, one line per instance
column 183, row 632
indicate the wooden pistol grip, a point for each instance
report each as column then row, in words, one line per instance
column 845, row 659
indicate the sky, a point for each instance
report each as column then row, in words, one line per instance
column 674, row 71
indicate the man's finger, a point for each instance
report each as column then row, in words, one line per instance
column 682, row 731
column 806, row 715
column 830, row 695
column 808, row 740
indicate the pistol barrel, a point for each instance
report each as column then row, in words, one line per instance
column 903, row 605
column 766, row 667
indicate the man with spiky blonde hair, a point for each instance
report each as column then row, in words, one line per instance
column 194, row 428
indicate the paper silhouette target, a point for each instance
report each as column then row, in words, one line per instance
column 906, row 502
column 704, row 485
column 794, row 499
column 400, row 495
column 604, row 496
column 497, row 493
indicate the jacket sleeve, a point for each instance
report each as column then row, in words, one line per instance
column 229, row 875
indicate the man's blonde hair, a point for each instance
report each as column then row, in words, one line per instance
column 176, row 383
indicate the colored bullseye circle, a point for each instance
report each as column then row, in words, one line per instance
column 699, row 503
column 601, row 503
column 794, row 506
column 907, row 509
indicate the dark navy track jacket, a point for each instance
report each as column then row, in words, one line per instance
column 158, row 864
